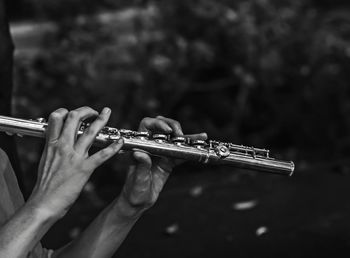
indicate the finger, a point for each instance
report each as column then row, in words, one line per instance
column 160, row 177
column 55, row 124
column 161, row 170
column 154, row 125
column 130, row 172
column 198, row 136
column 85, row 141
column 42, row 161
column 138, row 183
column 142, row 174
column 144, row 161
column 175, row 125
column 73, row 120
column 103, row 155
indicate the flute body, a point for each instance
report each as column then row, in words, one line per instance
column 163, row 145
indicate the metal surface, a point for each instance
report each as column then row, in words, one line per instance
column 176, row 147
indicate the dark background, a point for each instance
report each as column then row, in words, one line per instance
column 262, row 73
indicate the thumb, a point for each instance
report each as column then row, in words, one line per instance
column 143, row 160
column 142, row 172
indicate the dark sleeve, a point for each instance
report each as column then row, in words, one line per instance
column 6, row 59
column 7, row 143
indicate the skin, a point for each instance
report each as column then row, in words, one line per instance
column 64, row 169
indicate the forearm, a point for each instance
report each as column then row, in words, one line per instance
column 103, row 236
column 23, row 231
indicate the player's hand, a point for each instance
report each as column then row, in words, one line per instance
column 66, row 165
column 147, row 177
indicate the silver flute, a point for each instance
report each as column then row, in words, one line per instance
column 164, row 145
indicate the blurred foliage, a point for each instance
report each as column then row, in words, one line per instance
column 258, row 72
column 267, row 73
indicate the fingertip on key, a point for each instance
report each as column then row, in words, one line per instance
column 106, row 110
column 204, row 135
column 167, row 129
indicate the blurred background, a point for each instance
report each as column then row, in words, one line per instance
column 264, row 73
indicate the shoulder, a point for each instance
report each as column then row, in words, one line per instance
column 3, row 154
column 6, row 170
column 4, row 160
column 8, row 181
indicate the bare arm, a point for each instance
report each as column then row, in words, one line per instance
column 141, row 190
column 23, row 231
column 64, row 169
column 103, row 236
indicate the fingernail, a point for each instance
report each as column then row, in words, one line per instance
column 106, row 110
column 168, row 128
column 180, row 132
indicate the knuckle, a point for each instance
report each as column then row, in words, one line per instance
column 104, row 153
column 101, row 118
column 54, row 116
column 90, row 109
column 91, row 131
column 62, row 111
column 146, row 120
column 84, row 107
column 73, row 114
column 58, row 114
column 61, row 147
column 176, row 123
column 87, row 109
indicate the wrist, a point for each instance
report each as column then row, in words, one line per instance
column 125, row 211
column 40, row 210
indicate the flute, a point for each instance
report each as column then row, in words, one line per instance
column 164, row 145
